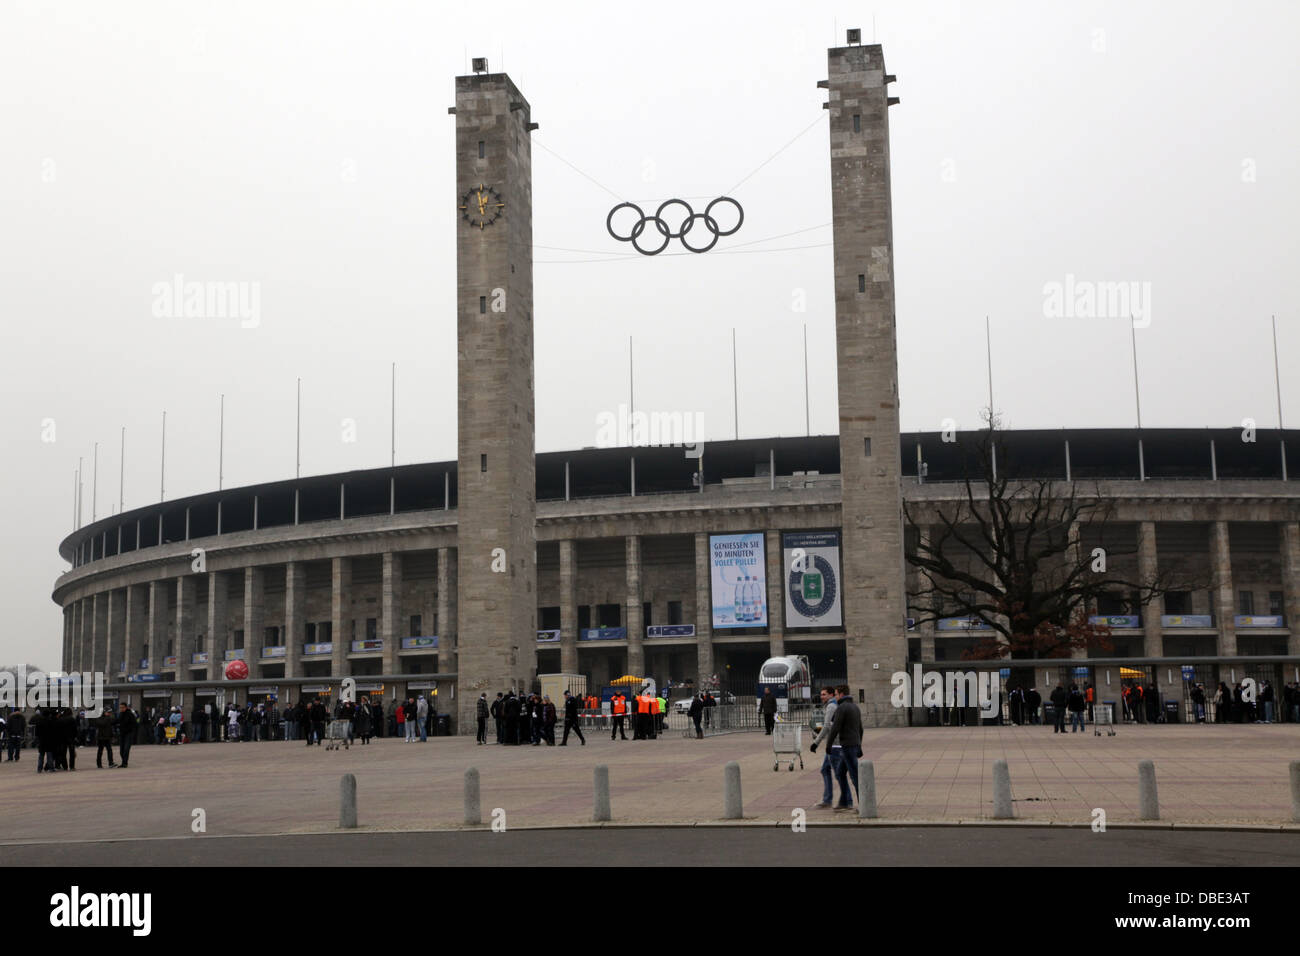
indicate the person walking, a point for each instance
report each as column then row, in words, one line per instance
column 830, row 759
column 399, row 716
column 1075, row 704
column 846, row 728
column 1059, row 699
column 104, row 738
column 767, row 707
column 1198, row 702
column 127, row 725
column 67, row 750
column 481, row 712
column 696, row 712
column 571, row 720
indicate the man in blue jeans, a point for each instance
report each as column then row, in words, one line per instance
column 422, row 717
column 846, row 730
column 830, row 762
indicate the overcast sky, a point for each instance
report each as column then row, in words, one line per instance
column 305, row 149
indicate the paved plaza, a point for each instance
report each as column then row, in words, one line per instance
column 1228, row 775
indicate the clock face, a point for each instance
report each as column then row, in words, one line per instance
column 481, row 206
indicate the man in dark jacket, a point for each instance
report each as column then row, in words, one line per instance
column 846, row 730
column 498, row 714
column 1076, row 705
column 14, row 731
column 67, row 751
column 1059, row 699
column 571, row 706
column 127, row 726
column 104, row 738
column 481, row 713
column 318, row 715
column 511, row 709
column 767, row 707
column 696, row 712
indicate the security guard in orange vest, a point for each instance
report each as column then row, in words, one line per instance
column 644, row 727
column 618, row 707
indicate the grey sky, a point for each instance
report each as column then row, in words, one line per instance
column 307, row 148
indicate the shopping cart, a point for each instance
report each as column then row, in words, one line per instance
column 787, row 742
column 1104, row 716
column 338, row 733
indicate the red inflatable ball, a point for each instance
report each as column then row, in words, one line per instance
column 236, row 670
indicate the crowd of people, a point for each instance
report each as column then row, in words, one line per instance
column 56, row 733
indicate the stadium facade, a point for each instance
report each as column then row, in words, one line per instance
column 478, row 574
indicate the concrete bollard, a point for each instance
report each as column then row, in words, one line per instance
column 867, row 790
column 733, row 805
column 601, row 779
column 473, row 805
column 1002, row 791
column 1148, row 801
column 348, row 802
column 1295, row 791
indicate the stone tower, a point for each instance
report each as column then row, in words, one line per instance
column 867, row 361
column 496, row 486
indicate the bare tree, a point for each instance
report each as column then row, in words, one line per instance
column 1007, row 553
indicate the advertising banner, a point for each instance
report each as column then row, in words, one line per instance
column 603, row 634
column 549, row 637
column 1186, row 620
column 275, row 650
column 1258, row 620
column 309, row 650
column 235, row 654
column 812, row 579
column 670, row 630
column 369, row 644
column 739, row 578
column 1126, row 622
column 416, row 643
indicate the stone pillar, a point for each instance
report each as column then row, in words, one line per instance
column 79, row 653
column 117, row 601
column 65, row 659
column 158, row 614
column 1290, row 541
column 703, row 610
column 635, row 617
column 569, row 606
column 1148, row 571
column 218, row 622
column 391, row 610
column 447, row 604
column 295, row 614
column 875, row 603
column 775, row 595
column 99, row 634
column 186, row 586
column 254, row 616
column 340, row 614
column 137, row 621
column 1224, row 599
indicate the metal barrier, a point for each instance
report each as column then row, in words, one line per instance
column 735, row 718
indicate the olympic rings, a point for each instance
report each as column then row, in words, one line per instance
column 666, row 232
